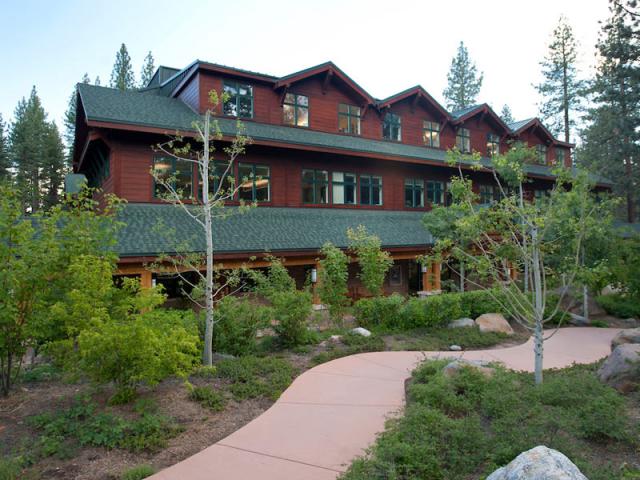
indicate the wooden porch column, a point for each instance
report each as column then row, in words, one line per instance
column 436, row 276
column 145, row 279
column 426, row 279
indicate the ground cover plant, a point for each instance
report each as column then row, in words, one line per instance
column 466, row 425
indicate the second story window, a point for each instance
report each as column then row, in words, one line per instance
column 296, row 110
column 463, row 140
column 254, row 182
column 560, row 156
column 431, row 134
column 391, row 129
column 541, row 151
column 315, row 186
column 177, row 173
column 493, row 144
column 370, row 190
column 239, row 101
column 413, row 193
column 343, row 188
column 348, row 119
column 435, row 192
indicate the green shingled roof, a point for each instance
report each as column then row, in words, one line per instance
column 463, row 111
column 264, row 229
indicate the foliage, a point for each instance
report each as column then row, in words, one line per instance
column 439, row 339
column 237, row 323
column 334, row 273
column 506, row 115
column 625, row 265
column 138, row 472
column 5, row 163
column 291, row 310
column 374, row 262
column 145, row 348
column 443, row 433
column 40, row 373
column 621, row 306
column 69, row 119
column 83, row 425
column 207, row 397
column 383, row 311
column 253, row 377
column 122, row 76
column 10, row 469
column 561, row 90
column 276, row 279
column 205, row 371
column 353, row 344
column 463, row 81
column 148, row 69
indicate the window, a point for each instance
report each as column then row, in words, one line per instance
column 344, row 188
column 413, row 193
column 463, row 140
column 431, row 134
column 560, row 156
column 296, row 110
column 493, row 144
column 541, row 151
column 370, row 190
column 348, row 119
column 489, row 194
column 178, row 174
column 254, row 182
column 435, row 192
column 315, row 186
column 539, row 195
column 391, row 129
column 240, row 100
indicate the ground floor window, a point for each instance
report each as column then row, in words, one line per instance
column 413, row 193
column 370, row 190
column 254, row 182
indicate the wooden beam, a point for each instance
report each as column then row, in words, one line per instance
column 414, row 102
column 283, row 94
column 363, row 111
column 146, row 279
column 325, row 82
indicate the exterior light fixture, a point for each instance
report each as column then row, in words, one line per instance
column 424, row 269
column 314, row 275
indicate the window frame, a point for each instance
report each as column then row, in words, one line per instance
column 541, row 154
column 390, row 121
column 432, row 128
column 253, row 179
column 493, row 140
column 462, row 137
column 315, row 183
column 430, row 187
column 344, row 184
column 494, row 193
column 560, row 159
column 415, row 185
column 349, row 115
column 237, row 85
column 295, row 105
column 370, row 186
column 172, row 172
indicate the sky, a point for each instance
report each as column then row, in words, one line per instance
column 385, row 46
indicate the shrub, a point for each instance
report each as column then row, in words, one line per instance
column 621, row 306
column 237, row 322
column 146, row 348
column 291, row 310
column 477, row 302
column 10, row 469
column 205, row 371
column 138, row 473
column 253, row 377
column 383, row 311
column 334, row 274
column 40, row 373
column 433, row 311
column 352, row 344
column 207, row 397
column 276, row 280
column 374, row 262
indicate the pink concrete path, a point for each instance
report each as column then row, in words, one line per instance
column 331, row 413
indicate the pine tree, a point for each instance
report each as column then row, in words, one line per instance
column 70, row 121
column 122, row 76
column 561, row 90
column 5, row 173
column 611, row 141
column 97, row 82
column 54, row 168
column 148, row 69
column 506, row 115
column 463, row 81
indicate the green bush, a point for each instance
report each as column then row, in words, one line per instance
column 433, row 311
column 253, row 377
column 477, row 302
column 291, row 310
column 207, row 397
column 237, row 322
column 138, row 473
column 10, row 469
column 621, row 306
column 353, row 344
column 40, row 373
column 147, row 348
column 334, row 274
column 379, row 311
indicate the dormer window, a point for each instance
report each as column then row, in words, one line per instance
column 560, row 156
column 296, row 110
column 349, row 119
column 238, row 101
column 493, row 144
column 463, row 140
column 391, row 128
column 541, row 151
column 431, row 134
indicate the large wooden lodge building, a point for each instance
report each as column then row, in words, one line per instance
column 324, row 156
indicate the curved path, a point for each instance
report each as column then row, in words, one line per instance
column 332, row 412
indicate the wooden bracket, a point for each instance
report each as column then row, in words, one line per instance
column 325, row 82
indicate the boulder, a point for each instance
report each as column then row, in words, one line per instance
column 621, row 369
column 462, row 323
column 539, row 463
column 494, row 322
column 453, row 368
column 455, row 348
column 630, row 335
column 361, row 331
column 578, row 320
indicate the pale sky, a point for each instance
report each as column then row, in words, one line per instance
column 385, row 46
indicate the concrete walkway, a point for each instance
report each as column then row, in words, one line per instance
column 332, row 412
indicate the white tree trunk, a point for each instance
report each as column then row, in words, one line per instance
column 538, row 306
column 461, row 276
column 585, row 303
column 207, row 355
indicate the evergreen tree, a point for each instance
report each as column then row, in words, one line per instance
column 561, row 90
column 70, row 121
column 463, row 81
column 122, row 76
column 506, row 115
column 148, row 69
column 54, row 168
column 97, row 82
column 4, row 153
column 611, row 141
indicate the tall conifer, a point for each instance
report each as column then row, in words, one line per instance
column 122, row 76
column 463, row 81
column 148, row 69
